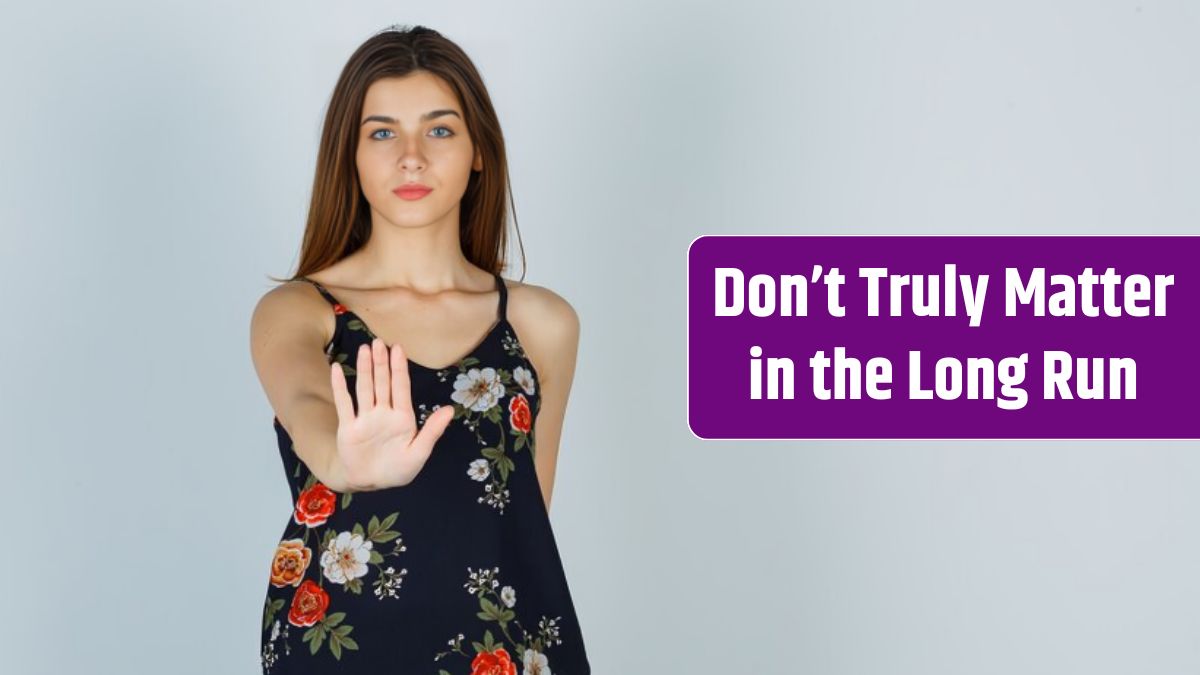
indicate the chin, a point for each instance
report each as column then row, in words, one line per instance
column 413, row 217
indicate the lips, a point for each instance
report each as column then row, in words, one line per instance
column 412, row 191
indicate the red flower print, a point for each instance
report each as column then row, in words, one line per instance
column 308, row 604
column 519, row 415
column 291, row 560
column 493, row 663
column 315, row 505
column 338, row 308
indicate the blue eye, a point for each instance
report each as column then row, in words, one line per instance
column 448, row 133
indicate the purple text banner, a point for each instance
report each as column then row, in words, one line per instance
column 814, row 337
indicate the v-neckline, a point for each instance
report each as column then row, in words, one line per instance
column 342, row 318
column 347, row 313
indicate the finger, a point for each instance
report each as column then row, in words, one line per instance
column 383, row 378
column 401, row 386
column 362, row 384
column 341, row 395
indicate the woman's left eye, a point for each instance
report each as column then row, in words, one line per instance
column 446, row 129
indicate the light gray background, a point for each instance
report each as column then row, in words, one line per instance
column 157, row 162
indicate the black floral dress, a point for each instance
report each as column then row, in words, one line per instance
column 456, row 572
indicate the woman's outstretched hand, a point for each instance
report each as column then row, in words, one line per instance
column 381, row 446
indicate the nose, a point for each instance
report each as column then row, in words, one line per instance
column 411, row 158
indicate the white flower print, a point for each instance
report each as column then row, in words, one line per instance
column 548, row 629
column 389, row 581
column 536, row 663
column 269, row 656
column 479, row 470
column 346, row 558
column 482, row 581
column 497, row 606
column 478, row 389
column 524, row 377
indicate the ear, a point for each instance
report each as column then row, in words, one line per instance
column 477, row 165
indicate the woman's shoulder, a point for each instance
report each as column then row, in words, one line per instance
column 547, row 326
column 294, row 306
column 293, row 295
column 539, row 305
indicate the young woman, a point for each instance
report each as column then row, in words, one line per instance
column 421, row 474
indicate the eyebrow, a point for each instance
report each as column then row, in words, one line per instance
column 424, row 118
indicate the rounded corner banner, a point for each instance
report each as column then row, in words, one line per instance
column 928, row 337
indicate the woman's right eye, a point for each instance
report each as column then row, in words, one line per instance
column 377, row 131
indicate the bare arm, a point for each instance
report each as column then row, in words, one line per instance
column 287, row 346
column 552, row 342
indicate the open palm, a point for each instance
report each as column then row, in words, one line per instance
column 381, row 446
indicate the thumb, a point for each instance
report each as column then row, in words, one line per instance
column 435, row 425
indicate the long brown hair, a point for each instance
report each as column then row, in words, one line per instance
column 339, row 217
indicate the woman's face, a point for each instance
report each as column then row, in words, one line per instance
column 412, row 131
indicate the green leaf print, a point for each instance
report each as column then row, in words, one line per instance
column 491, row 612
column 337, row 641
column 385, row 536
column 329, row 628
column 269, row 610
column 314, row 637
column 376, row 528
column 348, row 371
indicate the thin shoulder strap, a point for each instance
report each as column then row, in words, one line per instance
column 321, row 289
column 503, row 295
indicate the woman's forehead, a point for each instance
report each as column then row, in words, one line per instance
column 409, row 98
